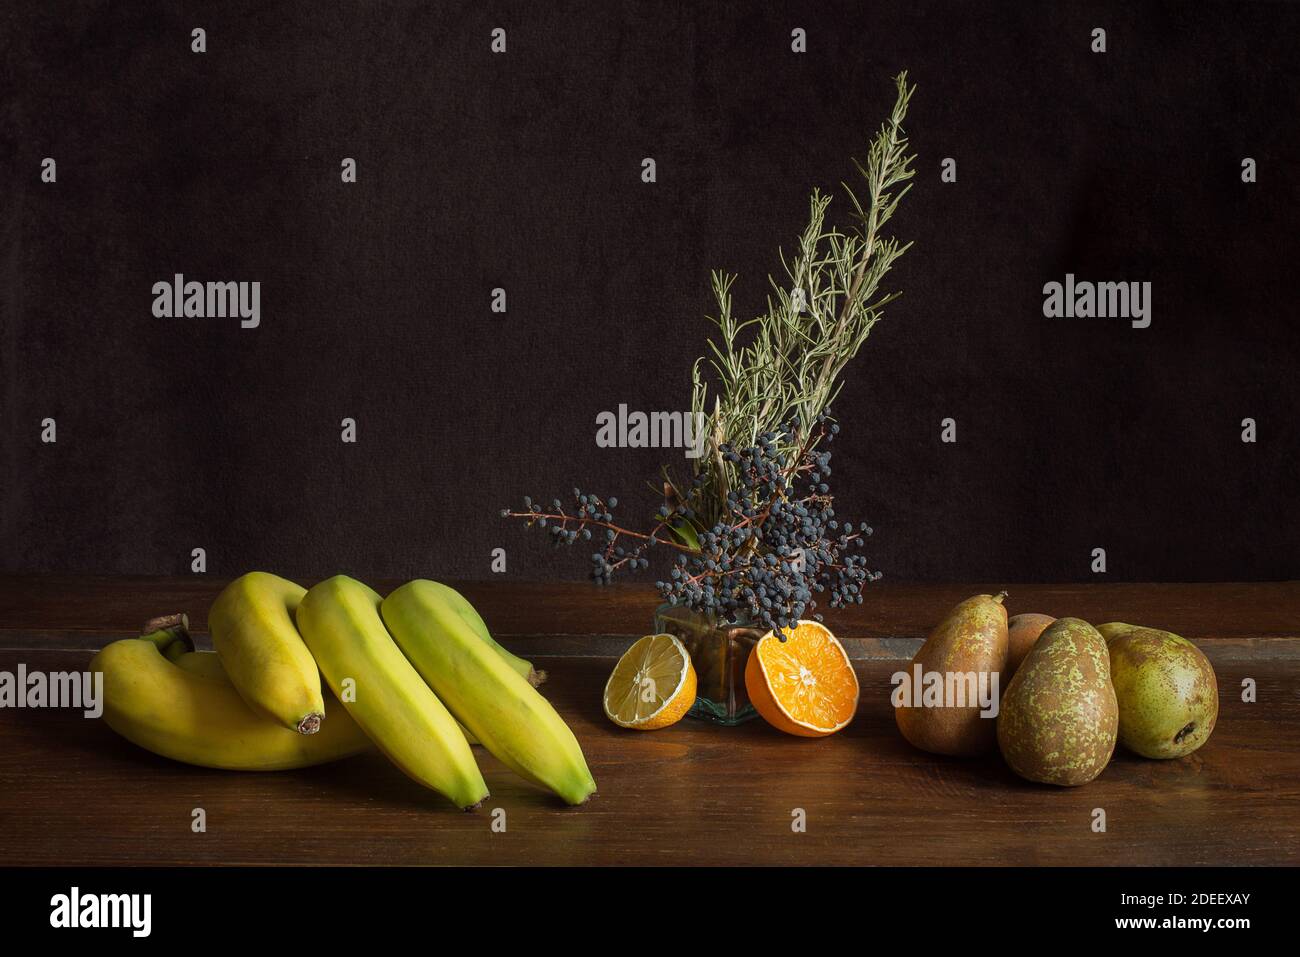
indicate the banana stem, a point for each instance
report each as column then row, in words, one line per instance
column 159, row 622
column 171, row 633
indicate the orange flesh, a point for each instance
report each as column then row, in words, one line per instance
column 809, row 683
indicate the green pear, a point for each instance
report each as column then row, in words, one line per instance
column 1114, row 629
column 1058, row 718
column 1168, row 696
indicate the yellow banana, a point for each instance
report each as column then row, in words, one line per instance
column 460, row 604
column 253, row 631
column 189, row 716
column 339, row 620
column 205, row 664
column 208, row 664
column 487, row 695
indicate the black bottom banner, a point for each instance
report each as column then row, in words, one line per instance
column 328, row 907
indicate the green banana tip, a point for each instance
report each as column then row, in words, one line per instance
column 591, row 793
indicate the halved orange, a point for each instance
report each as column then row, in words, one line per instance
column 804, row 685
column 652, row 686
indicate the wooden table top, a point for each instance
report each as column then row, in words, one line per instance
column 72, row 792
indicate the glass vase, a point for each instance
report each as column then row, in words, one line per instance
column 719, row 651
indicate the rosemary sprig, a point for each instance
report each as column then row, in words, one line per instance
column 789, row 370
column 754, row 532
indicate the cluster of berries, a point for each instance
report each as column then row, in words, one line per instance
column 775, row 551
column 778, row 550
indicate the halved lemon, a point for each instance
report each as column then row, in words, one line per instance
column 652, row 686
column 804, row 685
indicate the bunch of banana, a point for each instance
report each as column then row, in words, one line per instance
column 339, row 620
column 253, row 631
column 489, row 696
column 257, row 702
column 181, row 705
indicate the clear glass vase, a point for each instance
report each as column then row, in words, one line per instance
column 719, row 651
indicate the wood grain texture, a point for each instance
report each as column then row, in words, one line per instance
column 529, row 609
column 72, row 792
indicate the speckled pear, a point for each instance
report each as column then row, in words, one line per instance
column 1022, row 631
column 1059, row 718
column 972, row 639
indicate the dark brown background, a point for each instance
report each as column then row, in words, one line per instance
column 522, row 171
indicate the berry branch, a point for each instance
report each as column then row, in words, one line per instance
column 755, row 531
column 777, row 547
